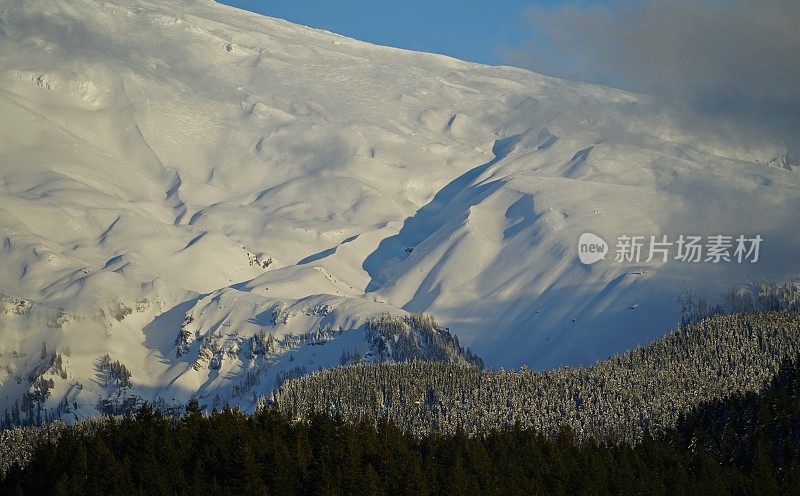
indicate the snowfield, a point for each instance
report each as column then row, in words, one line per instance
column 217, row 200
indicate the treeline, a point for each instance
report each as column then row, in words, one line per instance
column 764, row 296
column 747, row 444
column 619, row 399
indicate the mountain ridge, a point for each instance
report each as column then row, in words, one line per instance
column 179, row 159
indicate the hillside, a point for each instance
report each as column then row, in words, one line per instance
column 745, row 444
column 645, row 390
column 182, row 183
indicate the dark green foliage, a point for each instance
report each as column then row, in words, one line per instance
column 746, row 444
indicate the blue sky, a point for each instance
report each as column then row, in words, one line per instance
column 474, row 30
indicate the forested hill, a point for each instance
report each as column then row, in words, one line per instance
column 621, row 398
column 746, row 444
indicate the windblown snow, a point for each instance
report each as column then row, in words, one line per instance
column 200, row 201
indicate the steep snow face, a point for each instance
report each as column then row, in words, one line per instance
column 173, row 172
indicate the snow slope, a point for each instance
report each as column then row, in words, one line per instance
column 181, row 165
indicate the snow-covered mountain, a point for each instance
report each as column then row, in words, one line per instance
column 197, row 200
